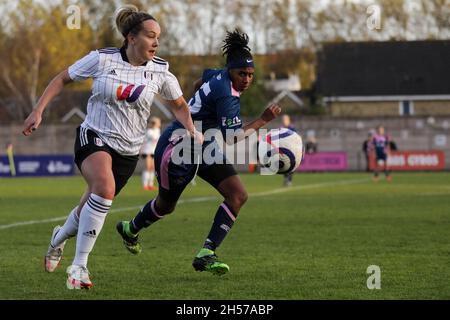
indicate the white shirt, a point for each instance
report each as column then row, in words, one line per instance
column 122, row 94
column 151, row 139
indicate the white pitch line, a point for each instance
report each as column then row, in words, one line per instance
column 308, row 186
column 199, row 199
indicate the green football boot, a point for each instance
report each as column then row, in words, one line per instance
column 206, row 260
column 131, row 242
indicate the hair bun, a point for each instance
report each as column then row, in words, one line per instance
column 122, row 15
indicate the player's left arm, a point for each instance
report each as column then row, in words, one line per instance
column 268, row 115
column 228, row 113
column 181, row 111
column 172, row 93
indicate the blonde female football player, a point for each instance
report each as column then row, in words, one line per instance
column 148, row 153
column 107, row 144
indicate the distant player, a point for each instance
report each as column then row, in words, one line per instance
column 367, row 148
column 216, row 103
column 286, row 123
column 125, row 81
column 148, row 153
column 380, row 143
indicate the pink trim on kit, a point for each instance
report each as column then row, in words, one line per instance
column 228, row 211
column 164, row 171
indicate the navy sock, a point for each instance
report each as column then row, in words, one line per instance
column 223, row 221
column 290, row 176
column 147, row 216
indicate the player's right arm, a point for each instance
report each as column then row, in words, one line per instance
column 197, row 84
column 85, row 68
column 55, row 86
column 207, row 74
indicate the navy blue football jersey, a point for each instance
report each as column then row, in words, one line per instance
column 216, row 104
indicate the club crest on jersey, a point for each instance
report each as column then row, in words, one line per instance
column 148, row 74
column 126, row 93
column 98, row 142
column 232, row 122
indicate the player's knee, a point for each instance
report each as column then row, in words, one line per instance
column 237, row 200
column 243, row 197
column 167, row 210
column 104, row 190
column 164, row 207
column 107, row 194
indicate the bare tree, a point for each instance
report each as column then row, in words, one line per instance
column 37, row 46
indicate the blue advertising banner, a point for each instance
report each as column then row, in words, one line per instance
column 43, row 165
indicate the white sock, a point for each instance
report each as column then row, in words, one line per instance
column 145, row 177
column 68, row 230
column 92, row 217
column 151, row 178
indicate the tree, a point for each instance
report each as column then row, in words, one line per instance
column 35, row 42
column 38, row 46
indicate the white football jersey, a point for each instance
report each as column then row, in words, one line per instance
column 151, row 139
column 122, row 94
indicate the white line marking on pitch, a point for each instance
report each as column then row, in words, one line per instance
column 199, row 199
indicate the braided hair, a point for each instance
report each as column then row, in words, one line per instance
column 237, row 50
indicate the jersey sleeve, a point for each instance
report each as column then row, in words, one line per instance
column 170, row 89
column 229, row 113
column 86, row 67
column 209, row 73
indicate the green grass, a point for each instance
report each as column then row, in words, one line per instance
column 312, row 241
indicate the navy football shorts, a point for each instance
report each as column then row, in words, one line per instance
column 174, row 177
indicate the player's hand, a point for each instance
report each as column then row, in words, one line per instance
column 32, row 122
column 271, row 112
column 198, row 137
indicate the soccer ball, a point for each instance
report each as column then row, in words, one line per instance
column 280, row 151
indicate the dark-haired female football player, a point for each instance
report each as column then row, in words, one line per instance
column 216, row 104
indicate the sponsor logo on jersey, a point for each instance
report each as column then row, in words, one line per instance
column 126, row 93
column 148, row 74
column 231, row 122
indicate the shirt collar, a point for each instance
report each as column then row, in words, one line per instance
column 123, row 53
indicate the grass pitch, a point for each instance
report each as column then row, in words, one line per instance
column 314, row 240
